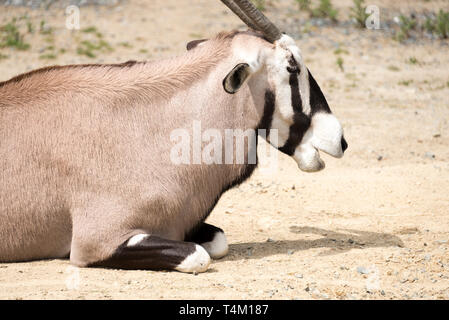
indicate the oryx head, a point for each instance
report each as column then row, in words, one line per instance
column 301, row 116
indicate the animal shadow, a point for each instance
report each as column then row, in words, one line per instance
column 337, row 242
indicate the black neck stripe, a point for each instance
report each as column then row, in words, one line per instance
column 267, row 118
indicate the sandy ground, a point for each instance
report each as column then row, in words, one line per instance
column 374, row 225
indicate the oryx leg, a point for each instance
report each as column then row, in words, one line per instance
column 147, row 252
column 102, row 238
column 211, row 238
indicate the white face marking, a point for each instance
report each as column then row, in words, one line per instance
column 136, row 240
column 325, row 134
column 197, row 262
column 289, row 44
column 277, row 65
column 218, row 247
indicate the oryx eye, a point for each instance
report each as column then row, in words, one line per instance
column 293, row 66
column 294, row 69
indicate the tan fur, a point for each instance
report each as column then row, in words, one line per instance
column 84, row 151
column 145, row 80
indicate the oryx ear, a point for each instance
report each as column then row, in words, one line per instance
column 193, row 44
column 236, row 78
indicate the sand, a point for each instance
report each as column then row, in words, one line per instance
column 374, row 225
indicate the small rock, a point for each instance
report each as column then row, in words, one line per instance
column 299, row 276
column 430, row 155
column 269, row 240
column 290, row 252
column 362, row 270
column 315, row 292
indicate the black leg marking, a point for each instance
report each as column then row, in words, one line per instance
column 154, row 253
column 211, row 238
column 203, row 233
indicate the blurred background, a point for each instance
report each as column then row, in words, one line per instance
column 35, row 33
column 372, row 225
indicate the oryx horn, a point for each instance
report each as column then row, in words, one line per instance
column 254, row 18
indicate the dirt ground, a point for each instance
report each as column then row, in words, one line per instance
column 374, row 225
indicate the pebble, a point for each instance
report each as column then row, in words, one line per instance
column 325, row 296
column 430, row 155
column 362, row 270
column 299, row 276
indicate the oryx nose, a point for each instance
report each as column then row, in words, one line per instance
column 344, row 145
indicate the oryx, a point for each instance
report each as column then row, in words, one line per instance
column 85, row 167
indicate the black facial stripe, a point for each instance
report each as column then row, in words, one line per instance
column 300, row 125
column 293, row 65
column 296, row 96
column 300, row 121
column 318, row 102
